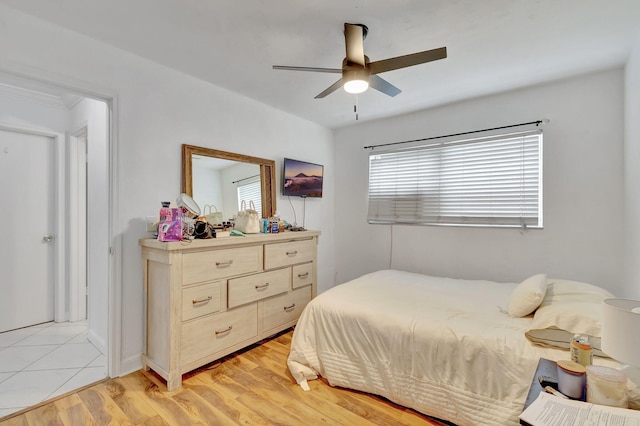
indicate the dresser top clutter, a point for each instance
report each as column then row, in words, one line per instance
column 226, row 241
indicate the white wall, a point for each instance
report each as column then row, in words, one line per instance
column 632, row 175
column 157, row 110
column 583, row 160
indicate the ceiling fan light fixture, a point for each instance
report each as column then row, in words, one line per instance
column 356, row 86
column 355, row 81
column 358, row 72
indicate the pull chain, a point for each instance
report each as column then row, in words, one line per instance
column 355, row 108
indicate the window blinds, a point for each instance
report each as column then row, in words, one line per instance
column 250, row 191
column 491, row 181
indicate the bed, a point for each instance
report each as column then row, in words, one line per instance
column 445, row 347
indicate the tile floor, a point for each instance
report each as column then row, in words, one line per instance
column 40, row 362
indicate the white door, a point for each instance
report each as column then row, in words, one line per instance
column 27, row 234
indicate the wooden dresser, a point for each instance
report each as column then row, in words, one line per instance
column 208, row 298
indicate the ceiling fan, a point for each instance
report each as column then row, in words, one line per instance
column 358, row 73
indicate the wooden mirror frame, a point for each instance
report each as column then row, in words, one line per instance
column 267, row 173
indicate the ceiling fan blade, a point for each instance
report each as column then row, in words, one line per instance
column 335, row 86
column 285, row 67
column 354, row 40
column 398, row 62
column 383, row 85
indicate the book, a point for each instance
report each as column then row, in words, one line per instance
column 550, row 410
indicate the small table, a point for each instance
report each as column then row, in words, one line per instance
column 546, row 367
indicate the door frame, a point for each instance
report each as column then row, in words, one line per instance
column 60, row 229
column 94, row 90
column 77, row 262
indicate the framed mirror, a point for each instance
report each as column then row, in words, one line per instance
column 219, row 178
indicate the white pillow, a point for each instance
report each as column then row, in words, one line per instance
column 527, row 296
column 568, row 308
column 565, row 291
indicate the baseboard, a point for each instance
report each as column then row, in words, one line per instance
column 97, row 341
column 130, row 364
column 125, row 365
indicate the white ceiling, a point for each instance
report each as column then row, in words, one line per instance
column 493, row 45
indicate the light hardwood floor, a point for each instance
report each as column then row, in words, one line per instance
column 251, row 387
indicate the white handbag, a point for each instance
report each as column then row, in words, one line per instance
column 213, row 217
column 248, row 219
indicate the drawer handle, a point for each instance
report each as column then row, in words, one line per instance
column 305, row 275
column 227, row 263
column 226, row 330
column 289, row 308
column 292, row 253
column 265, row 285
column 194, row 301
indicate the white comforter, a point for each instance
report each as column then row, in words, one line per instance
column 441, row 346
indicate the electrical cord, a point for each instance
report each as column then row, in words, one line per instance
column 295, row 220
column 304, row 209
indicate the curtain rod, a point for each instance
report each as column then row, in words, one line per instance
column 537, row 123
column 240, row 180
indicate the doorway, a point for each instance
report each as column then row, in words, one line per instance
column 74, row 343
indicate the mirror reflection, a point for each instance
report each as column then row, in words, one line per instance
column 221, row 185
column 223, row 179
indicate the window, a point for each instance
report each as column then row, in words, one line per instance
column 491, row 181
column 250, row 191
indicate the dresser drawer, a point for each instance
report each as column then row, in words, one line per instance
column 302, row 275
column 201, row 300
column 285, row 308
column 208, row 335
column 288, row 253
column 255, row 287
column 211, row 265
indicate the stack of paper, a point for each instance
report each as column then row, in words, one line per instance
column 549, row 410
